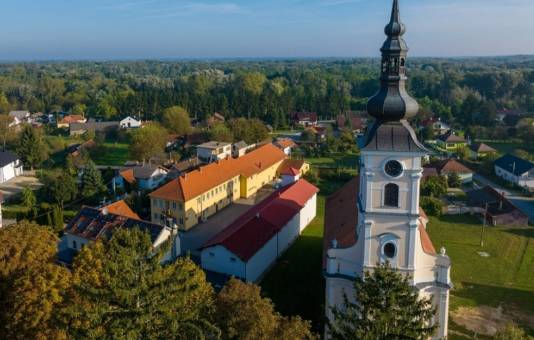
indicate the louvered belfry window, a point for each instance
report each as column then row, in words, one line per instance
column 391, row 197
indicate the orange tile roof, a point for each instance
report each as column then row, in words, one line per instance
column 122, row 209
column 286, row 143
column 72, row 119
column 291, row 163
column 206, row 178
column 128, row 175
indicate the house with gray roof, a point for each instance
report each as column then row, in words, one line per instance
column 10, row 166
column 515, row 170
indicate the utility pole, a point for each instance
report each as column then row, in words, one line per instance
column 483, row 226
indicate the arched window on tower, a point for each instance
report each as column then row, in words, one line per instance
column 391, row 196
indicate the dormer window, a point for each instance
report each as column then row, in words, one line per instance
column 391, row 195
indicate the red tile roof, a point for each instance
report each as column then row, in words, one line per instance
column 341, row 217
column 482, row 148
column 208, row 177
column 290, row 172
column 128, row 175
column 450, row 137
column 286, row 143
column 251, row 231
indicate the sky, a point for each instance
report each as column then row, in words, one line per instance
column 209, row 29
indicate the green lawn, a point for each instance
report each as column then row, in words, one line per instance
column 509, row 147
column 339, row 161
column 113, row 154
column 505, row 278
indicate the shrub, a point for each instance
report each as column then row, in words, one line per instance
column 432, row 206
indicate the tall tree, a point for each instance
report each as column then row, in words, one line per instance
column 31, row 147
column 243, row 314
column 176, row 120
column 122, row 290
column 386, row 307
column 92, row 185
column 148, row 142
column 61, row 187
column 31, row 284
column 28, row 198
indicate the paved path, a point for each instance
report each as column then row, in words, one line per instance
column 15, row 185
column 193, row 239
column 523, row 203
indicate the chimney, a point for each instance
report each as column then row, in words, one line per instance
column 105, row 211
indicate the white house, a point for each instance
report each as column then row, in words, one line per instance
column 239, row 149
column 286, row 145
column 10, row 166
column 92, row 224
column 146, row 176
column 250, row 245
column 19, row 117
column 130, row 123
column 515, row 170
column 213, row 151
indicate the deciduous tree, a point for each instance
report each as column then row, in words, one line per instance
column 176, row 120
column 148, row 142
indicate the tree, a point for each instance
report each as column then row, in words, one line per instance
column 176, row 120
column 454, row 180
column 435, row 186
column 221, row 133
column 432, row 206
column 60, row 187
column 462, row 152
column 148, row 142
column 512, row 332
column 31, row 284
column 243, row 314
column 7, row 133
column 121, row 289
column 31, row 147
column 28, row 198
column 387, row 307
column 92, row 185
column 249, row 130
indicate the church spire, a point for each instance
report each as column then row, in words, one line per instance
column 392, row 102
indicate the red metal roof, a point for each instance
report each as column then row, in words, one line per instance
column 252, row 230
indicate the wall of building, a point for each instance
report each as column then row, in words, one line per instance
column 7, row 172
column 220, row 260
column 251, row 185
column 262, row 260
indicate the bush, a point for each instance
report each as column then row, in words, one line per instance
column 432, row 206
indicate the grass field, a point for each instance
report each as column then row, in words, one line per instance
column 111, row 154
column 505, row 278
column 339, row 161
column 509, row 147
column 296, row 283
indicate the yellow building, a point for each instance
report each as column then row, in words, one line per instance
column 194, row 197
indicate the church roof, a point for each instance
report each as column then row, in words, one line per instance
column 341, row 217
column 393, row 136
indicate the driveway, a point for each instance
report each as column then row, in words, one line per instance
column 193, row 239
column 15, row 185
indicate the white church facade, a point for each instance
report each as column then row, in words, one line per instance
column 376, row 218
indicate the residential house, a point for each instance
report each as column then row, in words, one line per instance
column 19, row 117
column 92, row 224
column 450, row 141
column 497, row 209
column 130, row 123
column 214, row 119
column 144, row 176
column 448, row 166
column 10, row 166
column 480, row 150
column 304, row 119
column 503, row 114
column 240, row 149
column 213, row 151
column 99, row 127
column 197, row 195
column 77, row 149
column 70, row 119
column 438, row 126
column 249, row 246
column 286, row 145
column 355, row 121
column 515, row 170
column 183, row 167
column 300, row 165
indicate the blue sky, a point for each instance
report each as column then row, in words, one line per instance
column 117, row 29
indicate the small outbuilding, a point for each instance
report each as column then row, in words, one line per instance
column 10, row 166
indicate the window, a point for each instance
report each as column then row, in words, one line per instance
column 391, row 196
column 74, row 245
column 390, row 250
column 232, row 259
column 174, row 205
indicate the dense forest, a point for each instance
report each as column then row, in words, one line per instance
column 467, row 91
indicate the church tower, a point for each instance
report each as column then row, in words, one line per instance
column 389, row 224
